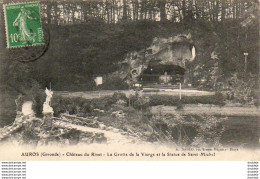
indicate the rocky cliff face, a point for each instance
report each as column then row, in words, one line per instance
column 175, row 50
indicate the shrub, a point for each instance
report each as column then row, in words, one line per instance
column 210, row 130
column 70, row 105
column 139, row 102
column 119, row 96
column 243, row 88
column 58, row 105
column 84, row 106
column 180, row 106
column 217, row 99
column 28, row 136
column 201, row 130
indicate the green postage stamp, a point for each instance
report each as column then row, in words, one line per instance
column 23, row 24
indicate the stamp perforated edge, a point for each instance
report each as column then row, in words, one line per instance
column 6, row 28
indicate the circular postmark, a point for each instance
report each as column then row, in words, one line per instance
column 31, row 53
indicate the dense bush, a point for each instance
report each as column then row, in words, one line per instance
column 217, row 99
column 119, row 96
column 143, row 102
column 38, row 97
column 200, row 130
column 70, row 105
column 209, row 130
column 84, row 106
column 138, row 101
column 243, row 88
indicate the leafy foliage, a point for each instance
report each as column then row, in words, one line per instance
column 210, row 130
column 202, row 130
column 83, row 106
column 217, row 99
column 243, row 88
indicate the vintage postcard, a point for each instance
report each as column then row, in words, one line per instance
column 129, row 80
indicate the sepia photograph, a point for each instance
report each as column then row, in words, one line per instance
column 129, row 79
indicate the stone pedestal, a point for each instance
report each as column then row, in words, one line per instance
column 47, row 119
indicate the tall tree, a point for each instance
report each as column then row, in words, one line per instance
column 223, row 10
column 124, row 10
column 162, row 4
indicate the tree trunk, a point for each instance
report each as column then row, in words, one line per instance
column 124, row 10
column 162, row 4
column 223, row 10
column 183, row 9
column 217, row 10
